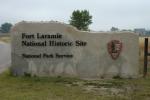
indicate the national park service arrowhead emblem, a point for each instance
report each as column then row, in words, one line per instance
column 114, row 48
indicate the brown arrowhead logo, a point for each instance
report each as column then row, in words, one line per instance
column 114, row 48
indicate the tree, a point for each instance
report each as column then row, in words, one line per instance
column 114, row 29
column 81, row 19
column 5, row 28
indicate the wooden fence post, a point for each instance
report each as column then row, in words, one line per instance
column 146, row 54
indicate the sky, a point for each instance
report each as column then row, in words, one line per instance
column 124, row 14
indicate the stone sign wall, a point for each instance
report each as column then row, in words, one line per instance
column 57, row 49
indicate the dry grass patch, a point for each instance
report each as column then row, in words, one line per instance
column 5, row 39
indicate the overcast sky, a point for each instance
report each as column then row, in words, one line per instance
column 124, row 14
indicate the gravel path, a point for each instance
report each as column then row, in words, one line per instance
column 5, row 56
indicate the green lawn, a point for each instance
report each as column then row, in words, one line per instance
column 58, row 88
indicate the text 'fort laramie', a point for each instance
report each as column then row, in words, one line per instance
column 56, row 39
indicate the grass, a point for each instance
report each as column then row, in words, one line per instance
column 5, row 39
column 27, row 88
column 60, row 88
